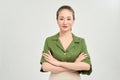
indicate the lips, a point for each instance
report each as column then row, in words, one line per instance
column 65, row 26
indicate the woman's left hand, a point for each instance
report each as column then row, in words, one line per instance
column 81, row 57
column 49, row 58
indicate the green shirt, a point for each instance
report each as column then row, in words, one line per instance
column 76, row 47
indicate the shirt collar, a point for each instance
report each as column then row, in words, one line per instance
column 75, row 38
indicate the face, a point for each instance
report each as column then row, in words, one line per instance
column 65, row 20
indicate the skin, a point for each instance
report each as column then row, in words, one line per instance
column 65, row 22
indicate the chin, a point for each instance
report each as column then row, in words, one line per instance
column 65, row 30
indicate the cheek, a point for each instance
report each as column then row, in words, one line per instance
column 59, row 22
column 71, row 23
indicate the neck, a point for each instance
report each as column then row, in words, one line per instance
column 65, row 34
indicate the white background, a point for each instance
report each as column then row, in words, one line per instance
column 24, row 25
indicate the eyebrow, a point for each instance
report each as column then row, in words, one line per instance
column 66, row 17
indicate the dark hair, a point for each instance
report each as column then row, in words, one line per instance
column 65, row 7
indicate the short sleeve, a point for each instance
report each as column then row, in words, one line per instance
column 87, row 60
column 45, row 50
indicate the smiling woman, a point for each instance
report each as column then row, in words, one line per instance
column 65, row 55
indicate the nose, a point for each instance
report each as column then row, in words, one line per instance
column 65, row 22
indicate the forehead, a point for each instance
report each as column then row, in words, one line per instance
column 65, row 12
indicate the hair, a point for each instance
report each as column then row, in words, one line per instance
column 65, row 7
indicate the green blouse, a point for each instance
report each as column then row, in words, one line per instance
column 76, row 47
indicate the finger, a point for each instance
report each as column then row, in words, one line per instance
column 46, row 59
column 85, row 55
column 49, row 52
column 82, row 54
column 46, row 55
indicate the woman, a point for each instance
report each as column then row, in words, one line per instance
column 65, row 55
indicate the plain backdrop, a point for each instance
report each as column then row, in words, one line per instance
column 24, row 25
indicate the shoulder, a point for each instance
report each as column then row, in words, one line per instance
column 78, row 38
column 52, row 37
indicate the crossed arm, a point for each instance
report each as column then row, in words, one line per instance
column 56, row 66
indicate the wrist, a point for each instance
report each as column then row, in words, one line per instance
column 77, row 60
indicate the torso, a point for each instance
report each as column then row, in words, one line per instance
column 65, row 42
column 64, row 49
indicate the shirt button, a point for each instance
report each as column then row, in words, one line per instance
column 64, row 53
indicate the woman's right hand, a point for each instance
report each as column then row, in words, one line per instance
column 81, row 57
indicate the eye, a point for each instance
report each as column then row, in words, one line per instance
column 68, row 19
column 61, row 19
